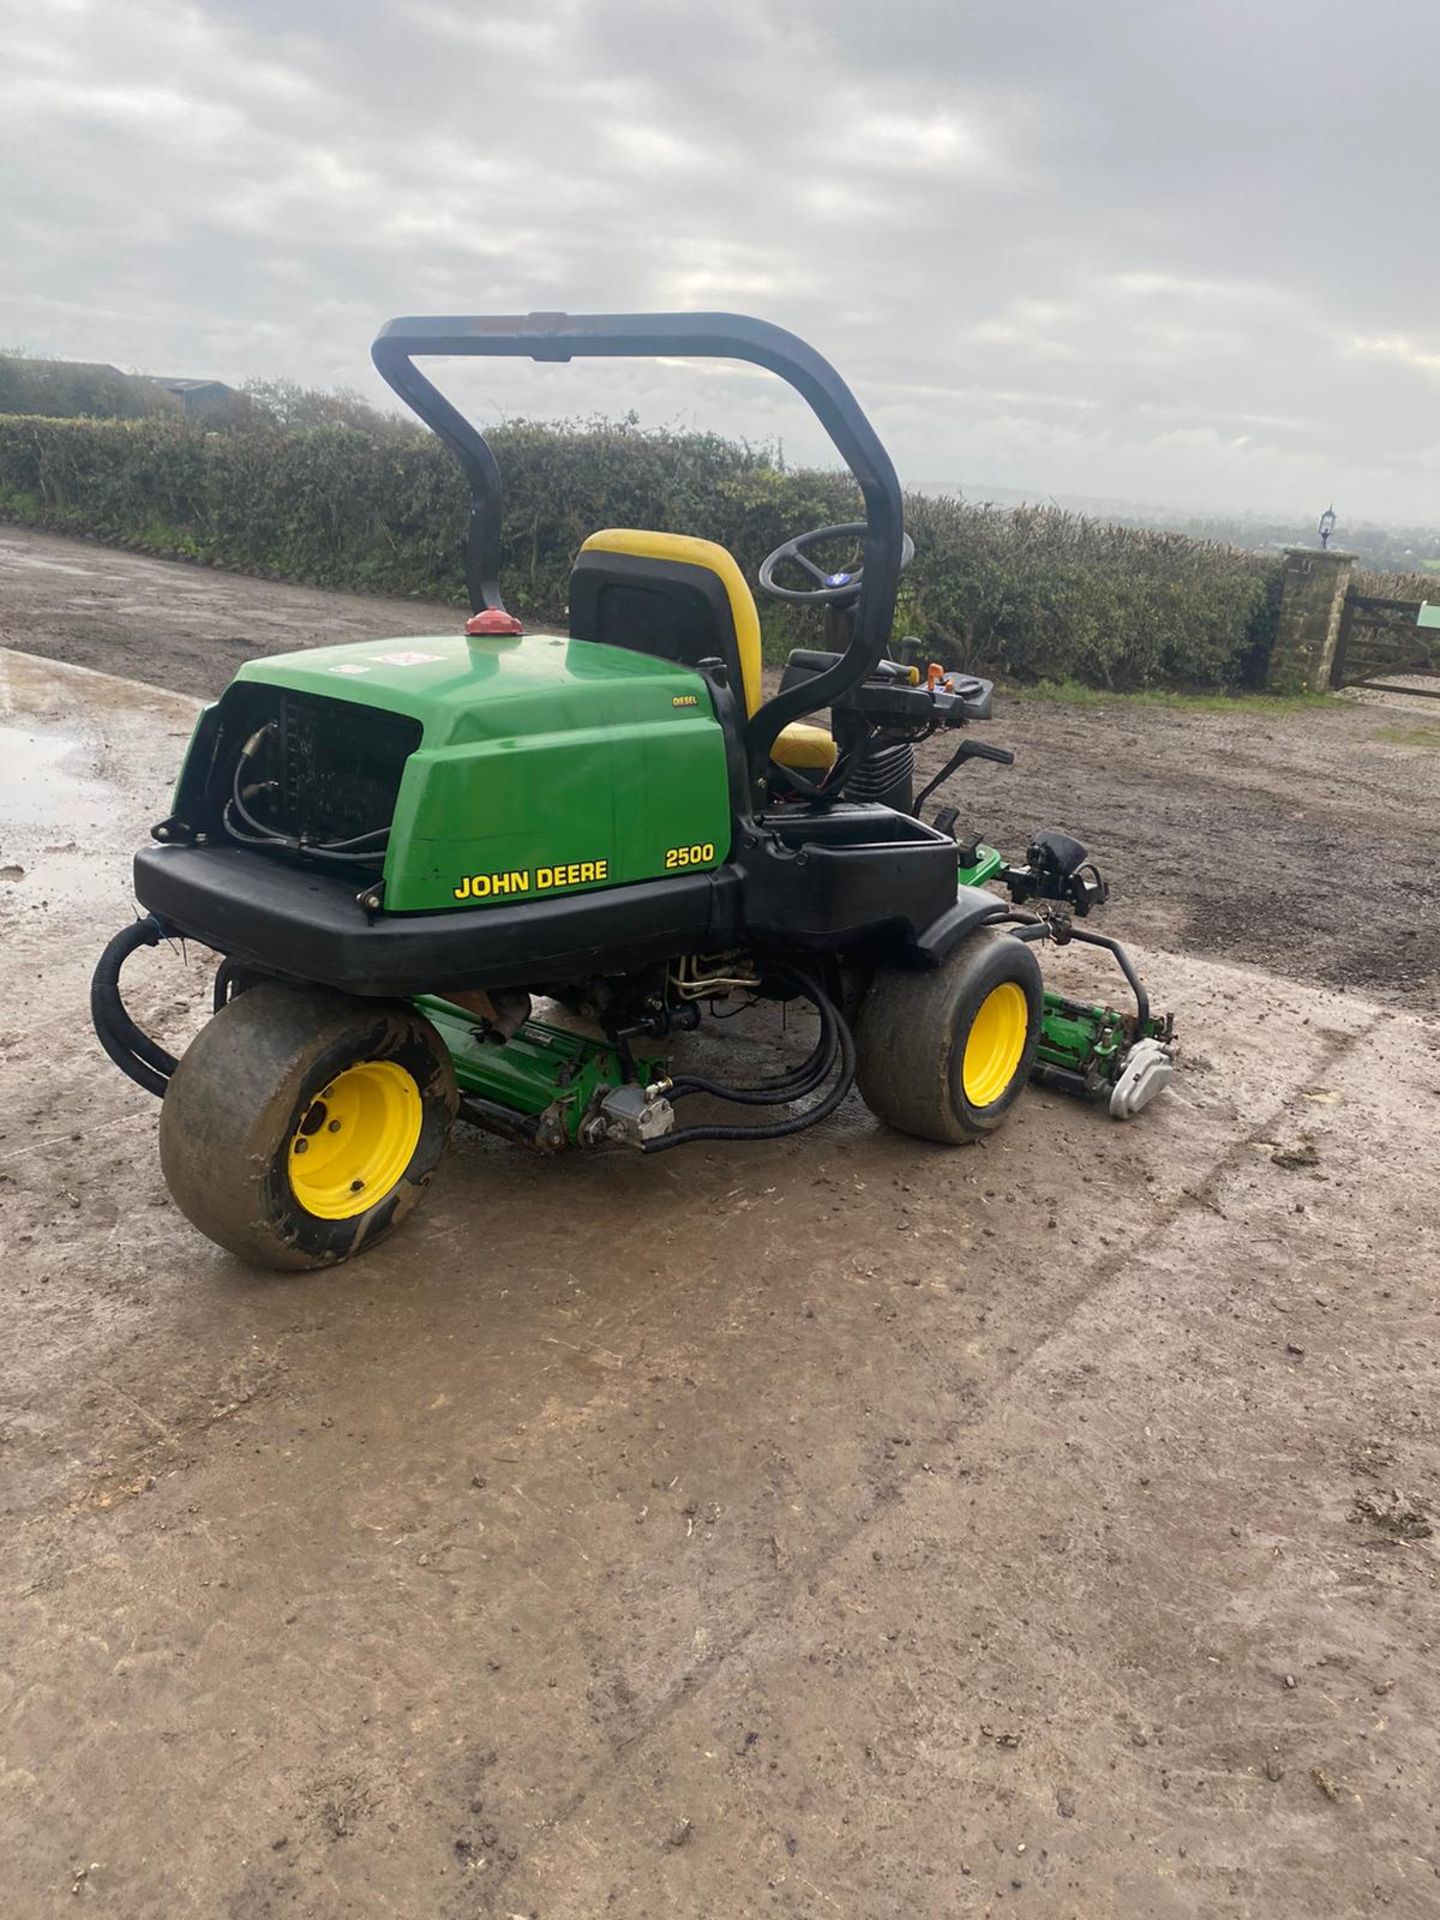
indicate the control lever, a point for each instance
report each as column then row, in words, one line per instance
column 982, row 750
column 967, row 750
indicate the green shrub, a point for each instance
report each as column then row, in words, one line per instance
column 71, row 388
column 1041, row 594
column 1034, row 594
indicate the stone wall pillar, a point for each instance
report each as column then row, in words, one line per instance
column 1312, row 598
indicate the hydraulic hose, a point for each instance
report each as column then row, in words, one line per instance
column 140, row 1058
column 262, row 836
column 784, row 1087
column 776, row 1130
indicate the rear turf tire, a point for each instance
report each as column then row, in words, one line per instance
column 943, row 1054
column 302, row 1126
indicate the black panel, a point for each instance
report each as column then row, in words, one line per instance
column 666, row 608
column 832, row 876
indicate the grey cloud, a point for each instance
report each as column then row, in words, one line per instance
column 1153, row 250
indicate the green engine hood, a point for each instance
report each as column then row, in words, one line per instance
column 545, row 765
column 452, row 684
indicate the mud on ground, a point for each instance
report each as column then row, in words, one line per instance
column 836, row 1528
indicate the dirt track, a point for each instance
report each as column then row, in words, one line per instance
column 832, row 1528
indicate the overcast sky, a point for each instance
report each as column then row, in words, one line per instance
column 1170, row 250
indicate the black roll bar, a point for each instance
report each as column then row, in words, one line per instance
column 723, row 336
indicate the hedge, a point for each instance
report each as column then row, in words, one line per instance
column 1034, row 593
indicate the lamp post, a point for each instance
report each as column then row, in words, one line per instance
column 1327, row 526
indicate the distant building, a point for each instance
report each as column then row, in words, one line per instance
column 91, row 389
column 199, row 396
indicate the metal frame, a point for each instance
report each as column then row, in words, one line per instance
column 724, row 336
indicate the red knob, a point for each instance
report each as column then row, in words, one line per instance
column 493, row 620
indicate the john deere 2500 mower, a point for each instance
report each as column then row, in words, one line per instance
column 400, row 847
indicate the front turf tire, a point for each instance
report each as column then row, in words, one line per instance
column 943, row 1054
column 302, row 1125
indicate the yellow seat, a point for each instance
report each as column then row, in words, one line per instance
column 807, row 748
column 692, row 602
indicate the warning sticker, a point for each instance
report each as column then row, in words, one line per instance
column 408, row 659
column 349, row 666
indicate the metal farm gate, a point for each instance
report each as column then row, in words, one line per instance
column 1381, row 640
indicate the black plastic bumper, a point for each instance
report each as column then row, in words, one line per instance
column 307, row 926
column 824, row 891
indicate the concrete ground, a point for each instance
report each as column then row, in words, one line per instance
column 838, row 1527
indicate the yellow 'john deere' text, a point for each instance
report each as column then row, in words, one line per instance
column 521, row 880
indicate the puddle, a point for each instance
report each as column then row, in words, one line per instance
column 37, row 789
column 60, row 826
column 86, row 763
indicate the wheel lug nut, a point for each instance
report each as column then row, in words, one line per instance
column 334, row 1127
column 356, row 1185
column 302, row 1146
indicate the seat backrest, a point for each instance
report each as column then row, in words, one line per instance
column 668, row 594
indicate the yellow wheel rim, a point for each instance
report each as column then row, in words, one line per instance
column 355, row 1140
column 995, row 1043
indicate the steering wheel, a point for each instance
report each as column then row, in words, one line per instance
column 830, row 589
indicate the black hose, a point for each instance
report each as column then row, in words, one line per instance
column 777, row 1091
column 139, row 1057
column 266, row 839
column 818, row 1070
column 797, row 1122
column 792, row 1076
column 289, row 844
column 262, row 836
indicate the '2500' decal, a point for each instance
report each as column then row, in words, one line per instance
column 699, row 856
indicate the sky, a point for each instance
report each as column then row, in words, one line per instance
column 1181, row 253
